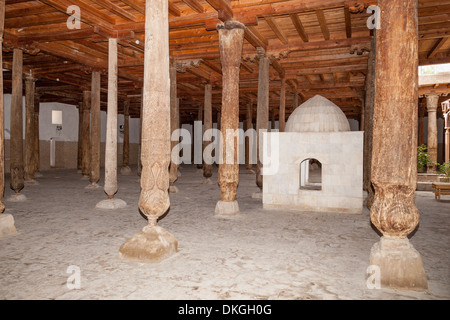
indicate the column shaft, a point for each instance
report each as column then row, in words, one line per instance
column 249, row 139
column 207, row 159
column 262, row 111
column 29, row 166
column 94, row 175
column 37, row 153
column 174, row 125
column 432, row 105
column 125, row 170
column 16, row 127
column 282, row 117
column 85, row 133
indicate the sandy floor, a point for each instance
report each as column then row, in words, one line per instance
column 261, row 254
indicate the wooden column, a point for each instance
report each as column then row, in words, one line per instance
column 80, row 136
column 249, row 139
column 141, row 113
column 361, row 116
column 154, row 243
column 420, row 131
column 6, row 220
column 368, row 122
column 207, row 159
column 174, row 125
column 16, row 127
column 94, row 174
column 262, row 114
column 446, row 113
column 231, row 35
column 394, row 165
column 295, row 100
column 29, row 166
column 282, row 117
column 37, row 153
column 111, row 133
column 200, row 118
column 85, row 133
column 125, row 170
column 432, row 105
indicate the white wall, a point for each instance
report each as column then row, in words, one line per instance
column 70, row 115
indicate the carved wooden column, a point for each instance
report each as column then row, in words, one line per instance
column 174, row 125
column 94, row 173
column 368, row 122
column 361, row 115
column 446, row 113
column 80, row 136
column 6, row 220
column 432, row 105
column 154, row 243
column 85, row 135
column 262, row 115
column 295, row 100
column 200, row 118
column 420, row 132
column 125, row 170
column 249, row 139
column 29, row 166
column 141, row 113
column 394, row 164
column 207, row 159
column 37, row 152
column 16, row 129
column 111, row 133
column 282, row 116
column 231, row 35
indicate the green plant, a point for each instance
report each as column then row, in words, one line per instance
column 445, row 170
column 423, row 158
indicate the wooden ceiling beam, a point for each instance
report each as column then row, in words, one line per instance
column 299, row 27
column 174, row 10
column 440, row 43
column 276, row 29
column 348, row 21
column 253, row 37
column 223, row 8
column 109, row 5
column 137, row 5
column 323, row 24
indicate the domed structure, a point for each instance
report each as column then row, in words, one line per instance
column 318, row 114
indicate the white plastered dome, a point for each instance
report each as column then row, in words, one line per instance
column 318, row 114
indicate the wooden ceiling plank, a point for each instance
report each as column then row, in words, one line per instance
column 137, row 5
column 194, row 5
column 174, row 10
column 116, row 9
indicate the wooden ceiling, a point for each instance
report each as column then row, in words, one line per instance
column 319, row 46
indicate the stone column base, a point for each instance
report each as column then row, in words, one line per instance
column 111, row 204
column 173, row 189
column 92, row 186
column 85, row 177
column 226, row 208
column 7, row 225
column 207, row 181
column 400, row 264
column 249, row 171
column 257, row 195
column 17, row 197
column 39, row 175
column 152, row 244
column 125, row 171
column 30, row 182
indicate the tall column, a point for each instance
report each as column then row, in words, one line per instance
column 295, row 100
column 154, row 243
column 37, row 152
column 80, row 136
column 282, row 116
column 141, row 113
column 125, row 170
column 394, row 164
column 262, row 115
column 207, row 159
column 249, row 139
column 432, row 105
column 231, row 36
column 174, row 125
column 85, row 130
column 361, row 115
column 200, row 118
column 94, row 173
column 446, row 112
column 111, row 133
column 420, row 132
column 6, row 220
column 368, row 122
column 16, row 129
column 29, row 166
